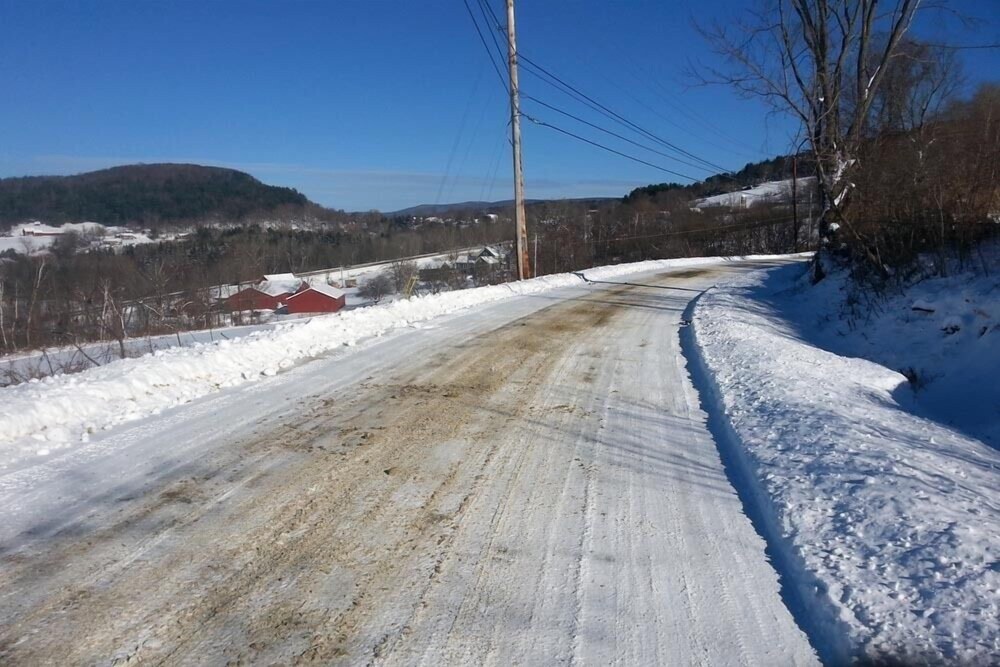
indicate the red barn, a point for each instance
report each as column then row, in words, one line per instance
column 316, row 299
column 254, row 299
column 269, row 293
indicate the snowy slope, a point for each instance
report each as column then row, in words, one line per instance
column 888, row 521
column 944, row 333
column 770, row 192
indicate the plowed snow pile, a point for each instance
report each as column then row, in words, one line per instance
column 888, row 521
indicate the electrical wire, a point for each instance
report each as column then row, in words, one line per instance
column 609, row 132
column 542, row 123
column 580, row 96
column 957, row 47
column 484, row 7
column 548, row 77
column 542, row 73
column 458, row 138
column 491, row 172
column 468, row 147
column 652, row 83
column 482, row 39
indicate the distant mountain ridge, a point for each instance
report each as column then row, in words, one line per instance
column 150, row 195
column 438, row 209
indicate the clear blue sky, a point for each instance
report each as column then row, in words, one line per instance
column 372, row 103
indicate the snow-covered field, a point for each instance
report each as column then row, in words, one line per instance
column 61, row 411
column 765, row 193
column 887, row 519
column 19, row 242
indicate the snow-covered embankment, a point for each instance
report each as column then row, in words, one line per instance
column 885, row 524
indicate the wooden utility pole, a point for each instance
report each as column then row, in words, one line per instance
column 523, row 268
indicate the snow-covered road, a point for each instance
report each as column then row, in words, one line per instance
column 529, row 483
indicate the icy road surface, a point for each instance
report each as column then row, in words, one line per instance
column 529, row 483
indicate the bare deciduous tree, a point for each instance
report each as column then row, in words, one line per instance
column 376, row 288
column 823, row 61
column 36, row 288
column 402, row 272
column 919, row 80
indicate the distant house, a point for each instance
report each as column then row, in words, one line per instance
column 316, row 299
column 270, row 292
column 465, row 263
column 439, row 271
column 488, row 269
column 489, row 251
column 488, row 261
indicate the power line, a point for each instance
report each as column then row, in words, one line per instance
column 482, row 39
column 956, row 47
column 491, row 172
column 613, row 134
column 607, row 148
column 578, row 95
column 646, row 78
column 468, row 146
column 730, row 147
column 458, row 138
column 496, row 21
column 483, row 8
column 594, row 104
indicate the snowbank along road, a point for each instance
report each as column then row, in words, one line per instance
column 529, row 483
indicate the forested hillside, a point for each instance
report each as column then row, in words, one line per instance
column 753, row 173
column 151, row 195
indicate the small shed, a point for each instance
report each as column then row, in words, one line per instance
column 316, row 299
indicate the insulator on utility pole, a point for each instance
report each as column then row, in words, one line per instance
column 523, row 268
